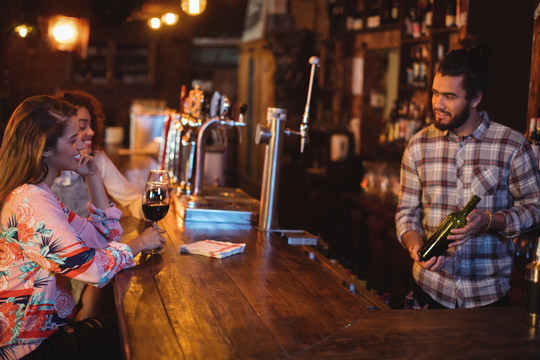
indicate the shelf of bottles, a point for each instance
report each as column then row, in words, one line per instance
column 406, row 118
column 94, row 69
column 107, row 63
column 424, row 41
column 132, row 64
column 348, row 16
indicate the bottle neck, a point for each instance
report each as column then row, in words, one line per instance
column 471, row 204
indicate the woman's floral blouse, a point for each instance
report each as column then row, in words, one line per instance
column 42, row 245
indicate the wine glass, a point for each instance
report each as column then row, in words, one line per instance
column 156, row 198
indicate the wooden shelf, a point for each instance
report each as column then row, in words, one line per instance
column 414, row 88
column 445, row 30
column 382, row 28
column 420, row 40
column 112, row 63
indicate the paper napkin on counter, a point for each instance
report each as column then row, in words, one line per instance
column 213, row 248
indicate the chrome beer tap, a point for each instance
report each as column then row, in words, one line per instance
column 314, row 61
column 272, row 134
column 220, row 120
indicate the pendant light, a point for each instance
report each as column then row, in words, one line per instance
column 193, row 7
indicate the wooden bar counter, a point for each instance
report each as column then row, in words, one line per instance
column 274, row 302
column 270, row 301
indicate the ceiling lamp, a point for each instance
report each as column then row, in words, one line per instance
column 23, row 30
column 193, row 7
column 68, row 33
column 65, row 33
column 154, row 23
column 169, row 19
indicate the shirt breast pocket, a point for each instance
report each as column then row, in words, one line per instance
column 487, row 180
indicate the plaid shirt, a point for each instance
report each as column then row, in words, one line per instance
column 440, row 172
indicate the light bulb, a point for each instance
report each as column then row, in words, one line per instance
column 154, row 23
column 193, row 7
column 23, row 30
column 65, row 31
column 68, row 33
column 169, row 19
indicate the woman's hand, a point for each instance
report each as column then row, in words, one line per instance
column 149, row 239
column 87, row 166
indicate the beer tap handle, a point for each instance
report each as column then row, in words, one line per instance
column 241, row 121
column 224, row 107
column 243, row 111
column 314, row 61
column 182, row 98
column 215, row 105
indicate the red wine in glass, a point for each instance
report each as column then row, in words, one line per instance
column 155, row 203
column 155, row 212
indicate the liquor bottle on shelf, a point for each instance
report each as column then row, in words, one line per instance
column 394, row 123
column 387, row 135
column 427, row 24
column 534, row 137
column 336, row 13
column 415, row 23
column 440, row 56
column 401, row 124
column 450, row 15
column 532, row 279
column 406, row 118
column 358, row 20
column 437, row 243
column 394, row 11
column 353, row 17
column 373, row 18
column 387, row 8
column 390, row 12
column 414, row 122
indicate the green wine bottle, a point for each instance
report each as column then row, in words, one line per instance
column 437, row 243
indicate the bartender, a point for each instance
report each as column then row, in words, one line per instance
column 463, row 154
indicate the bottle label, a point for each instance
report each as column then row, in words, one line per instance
column 450, row 20
column 428, row 20
column 395, row 13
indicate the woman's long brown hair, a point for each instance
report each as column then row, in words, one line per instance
column 34, row 127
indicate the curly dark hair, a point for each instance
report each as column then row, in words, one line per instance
column 470, row 61
column 97, row 116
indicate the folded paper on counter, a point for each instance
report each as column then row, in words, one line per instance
column 213, row 248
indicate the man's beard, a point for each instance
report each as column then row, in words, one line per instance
column 456, row 121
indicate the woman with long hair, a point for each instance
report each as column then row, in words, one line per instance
column 43, row 244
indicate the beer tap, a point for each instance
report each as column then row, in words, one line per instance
column 264, row 133
column 220, row 119
column 314, row 61
column 272, row 135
